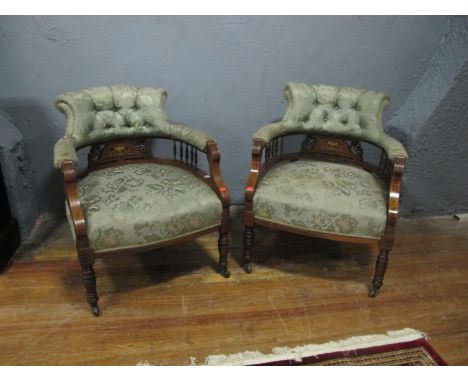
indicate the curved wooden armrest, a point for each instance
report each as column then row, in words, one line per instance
column 213, row 154
column 71, row 189
column 255, row 166
column 394, row 189
column 393, row 199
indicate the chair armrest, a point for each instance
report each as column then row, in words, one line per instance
column 64, row 151
column 393, row 205
column 190, row 135
column 71, row 189
column 268, row 132
column 214, row 157
column 255, row 166
column 391, row 146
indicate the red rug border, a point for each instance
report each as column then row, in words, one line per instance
column 310, row 360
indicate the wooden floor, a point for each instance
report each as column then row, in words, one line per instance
column 167, row 306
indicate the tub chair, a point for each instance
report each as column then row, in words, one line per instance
column 126, row 199
column 321, row 186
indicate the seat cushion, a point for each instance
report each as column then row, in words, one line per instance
column 323, row 196
column 140, row 204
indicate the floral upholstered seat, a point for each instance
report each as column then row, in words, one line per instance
column 139, row 204
column 323, row 197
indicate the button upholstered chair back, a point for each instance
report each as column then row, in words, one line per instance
column 343, row 111
column 101, row 114
column 323, row 109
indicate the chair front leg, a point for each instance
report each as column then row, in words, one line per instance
column 214, row 156
column 380, row 268
column 88, row 277
column 223, row 248
column 386, row 243
column 85, row 253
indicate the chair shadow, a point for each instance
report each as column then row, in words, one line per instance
column 303, row 255
column 157, row 266
column 126, row 273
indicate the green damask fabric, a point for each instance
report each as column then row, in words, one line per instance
column 346, row 111
column 323, row 196
column 140, row 204
column 105, row 113
column 64, row 150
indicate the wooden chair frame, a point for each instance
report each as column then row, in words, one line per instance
column 338, row 149
column 138, row 150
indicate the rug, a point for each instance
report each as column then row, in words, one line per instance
column 406, row 347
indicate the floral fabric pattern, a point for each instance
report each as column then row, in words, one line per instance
column 140, row 204
column 325, row 197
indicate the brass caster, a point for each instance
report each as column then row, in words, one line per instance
column 248, row 267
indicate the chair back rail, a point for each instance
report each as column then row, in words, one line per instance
column 331, row 148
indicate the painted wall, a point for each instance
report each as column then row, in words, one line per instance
column 433, row 124
column 18, row 176
column 224, row 75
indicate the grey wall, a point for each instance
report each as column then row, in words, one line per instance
column 224, row 75
column 433, row 124
column 18, row 176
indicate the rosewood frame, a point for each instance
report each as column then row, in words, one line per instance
column 119, row 152
column 338, row 149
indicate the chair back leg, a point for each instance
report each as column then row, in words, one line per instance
column 248, row 247
column 223, row 243
column 223, row 248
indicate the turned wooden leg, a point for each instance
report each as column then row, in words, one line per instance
column 89, row 281
column 86, row 259
column 248, row 246
column 380, row 268
column 223, row 248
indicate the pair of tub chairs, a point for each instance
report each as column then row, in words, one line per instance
column 128, row 200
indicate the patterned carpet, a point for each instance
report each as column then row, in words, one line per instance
column 406, row 347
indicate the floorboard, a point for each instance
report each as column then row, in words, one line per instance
column 169, row 305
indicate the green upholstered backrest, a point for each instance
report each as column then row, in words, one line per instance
column 105, row 113
column 346, row 111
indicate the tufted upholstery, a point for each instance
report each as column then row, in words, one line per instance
column 104, row 113
column 346, row 111
column 140, row 204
